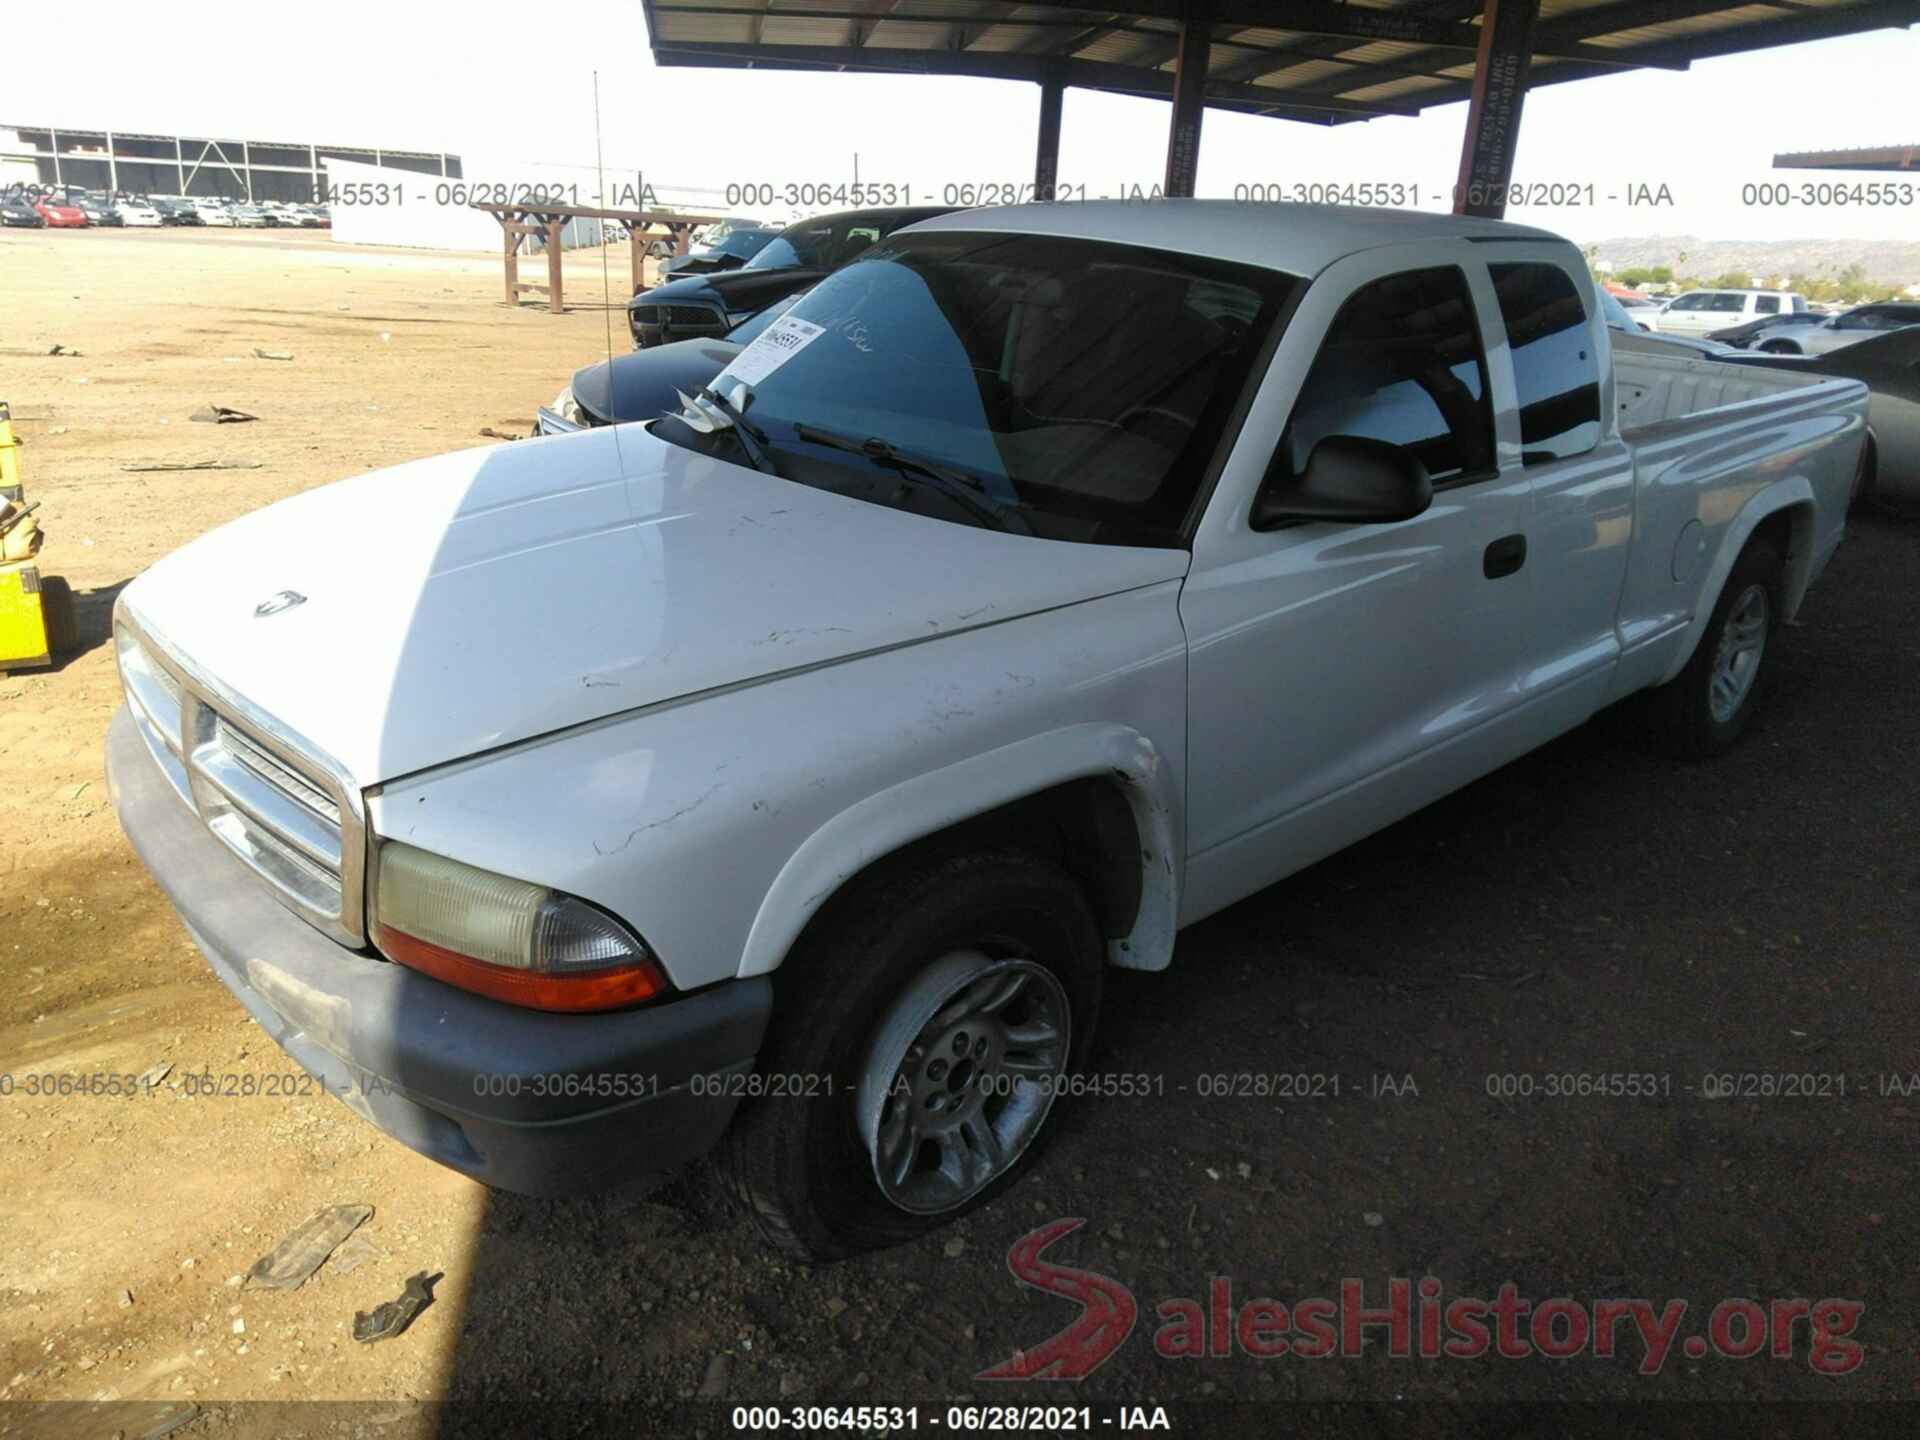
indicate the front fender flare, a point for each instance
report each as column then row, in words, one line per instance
column 926, row 804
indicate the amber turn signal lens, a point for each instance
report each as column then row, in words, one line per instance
column 607, row 989
column 504, row 938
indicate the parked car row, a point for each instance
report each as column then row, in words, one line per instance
column 1775, row 322
column 708, row 305
column 1821, row 334
column 687, row 330
column 82, row 209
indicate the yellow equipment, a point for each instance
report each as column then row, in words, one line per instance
column 36, row 617
column 36, row 613
column 9, row 456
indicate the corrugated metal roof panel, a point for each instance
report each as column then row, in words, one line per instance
column 680, row 29
column 1119, row 38
column 798, row 30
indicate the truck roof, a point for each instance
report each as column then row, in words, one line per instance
column 1299, row 239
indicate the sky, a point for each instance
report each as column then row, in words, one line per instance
column 493, row 83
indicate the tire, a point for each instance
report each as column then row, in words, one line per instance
column 1690, row 716
column 1780, row 347
column 56, row 607
column 1864, row 477
column 800, row 1164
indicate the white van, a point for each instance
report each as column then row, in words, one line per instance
column 1695, row 312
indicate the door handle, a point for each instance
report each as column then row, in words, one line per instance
column 1504, row 556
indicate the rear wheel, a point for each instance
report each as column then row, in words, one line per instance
column 921, row 1032
column 1704, row 709
column 1864, row 476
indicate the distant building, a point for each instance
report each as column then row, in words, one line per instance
column 145, row 164
column 1879, row 157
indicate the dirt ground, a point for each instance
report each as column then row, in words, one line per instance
column 1587, row 910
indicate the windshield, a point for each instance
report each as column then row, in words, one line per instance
column 1078, row 387
column 742, row 242
column 818, row 244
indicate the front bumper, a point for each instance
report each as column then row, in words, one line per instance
column 547, row 421
column 537, row 1103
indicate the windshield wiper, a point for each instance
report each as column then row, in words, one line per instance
column 752, row 438
column 958, row 486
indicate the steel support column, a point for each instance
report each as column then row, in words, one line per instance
column 1493, row 114
column 1189, row 96
column 1046, row 157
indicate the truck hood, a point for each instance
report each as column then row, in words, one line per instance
column 489, row 596
column 640, row 384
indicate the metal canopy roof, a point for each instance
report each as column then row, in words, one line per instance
column 1313, row 60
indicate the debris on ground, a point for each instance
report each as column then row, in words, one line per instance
column 193, row 465
column 220, row 415
column 272, row 354
column 171, row 1424
column 153, row 1075
column 37, row 352
column 305, row 1250
column 493, row 434
column 385, row 1321
column 352, row 1255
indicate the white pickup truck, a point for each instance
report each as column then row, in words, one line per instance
column 784, row 772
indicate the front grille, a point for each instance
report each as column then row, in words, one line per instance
column 657, row 324
column 268, row 796
column 676, row 315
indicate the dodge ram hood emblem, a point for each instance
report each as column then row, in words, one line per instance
column 274, row 604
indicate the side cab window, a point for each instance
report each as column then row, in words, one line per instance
column 1402, row 362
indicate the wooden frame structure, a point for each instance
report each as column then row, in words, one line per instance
column 548, row 222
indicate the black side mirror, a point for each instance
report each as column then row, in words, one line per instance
column 1349, row 479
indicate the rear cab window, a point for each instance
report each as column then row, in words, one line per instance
column 1556, row 373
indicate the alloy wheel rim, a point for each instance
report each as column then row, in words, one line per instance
column 960, row 1077
column 1736, row 661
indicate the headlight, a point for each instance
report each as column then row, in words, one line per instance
column 566, row 407
column 506, row 939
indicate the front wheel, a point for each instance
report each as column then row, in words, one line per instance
column 1781, row 347
column 922, row 1034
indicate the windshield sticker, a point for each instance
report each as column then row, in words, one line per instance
column 772, row 348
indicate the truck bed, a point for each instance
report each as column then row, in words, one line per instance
column 1655, row 388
